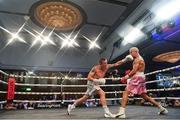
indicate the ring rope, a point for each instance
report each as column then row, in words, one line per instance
column 172, row 78
column 74, row 78
column 3, row 82
column 4, row 73
column 163, row 70
column 54, row 101
column 109, row 85
column 2, row 102
column 59, row 93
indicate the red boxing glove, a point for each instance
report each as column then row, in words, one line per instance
column 127, row 72
column 123, row 80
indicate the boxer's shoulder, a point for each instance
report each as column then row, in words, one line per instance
column 139, row 59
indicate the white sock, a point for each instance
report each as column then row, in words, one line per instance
column 161, row 107
column 106, row 109
column 122, row 110
column 73, row 105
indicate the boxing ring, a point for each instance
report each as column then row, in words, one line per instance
column 96, row 112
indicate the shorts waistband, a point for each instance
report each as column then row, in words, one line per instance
column 139, row 73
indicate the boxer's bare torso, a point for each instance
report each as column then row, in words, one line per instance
column 98, row 72
column 139, row 63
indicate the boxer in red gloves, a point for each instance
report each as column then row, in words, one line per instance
column 136, row 85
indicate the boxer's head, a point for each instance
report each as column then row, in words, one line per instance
column 103, row 62
column 134, row 51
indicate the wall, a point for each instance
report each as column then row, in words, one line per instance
column 123, row 29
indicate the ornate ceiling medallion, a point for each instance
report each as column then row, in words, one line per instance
column 61, row 15
column 171, row 57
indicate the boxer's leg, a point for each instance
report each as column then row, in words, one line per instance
column 151, row 100
column 103, row 102
column 121, row 113
column 77, row 102
column 81, row 100
column 90, row 90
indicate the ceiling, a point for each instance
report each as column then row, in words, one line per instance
column 153, row 47
column 101, row 16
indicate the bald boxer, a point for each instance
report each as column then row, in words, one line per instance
column 96, row 78
column 136, row 85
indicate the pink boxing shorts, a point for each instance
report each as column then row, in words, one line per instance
column 136, row 85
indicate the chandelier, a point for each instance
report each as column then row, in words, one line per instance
column 58, row 15
column 171, row 57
